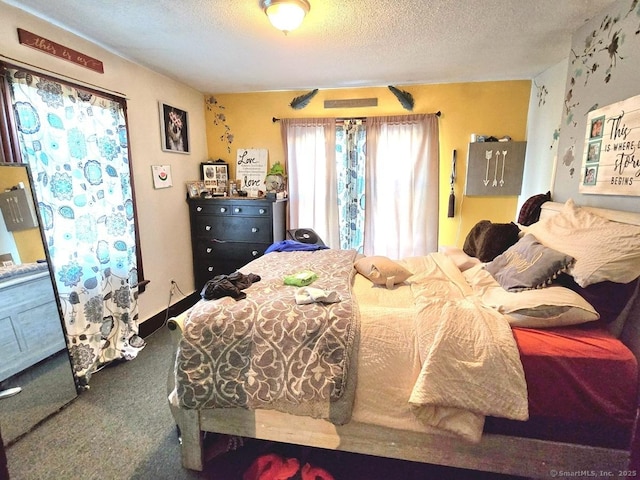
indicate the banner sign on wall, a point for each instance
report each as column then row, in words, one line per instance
column 251, row 170
column 611, row 162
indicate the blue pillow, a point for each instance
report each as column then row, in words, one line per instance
column 527, row 265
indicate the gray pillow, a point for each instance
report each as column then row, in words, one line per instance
column 527, row 265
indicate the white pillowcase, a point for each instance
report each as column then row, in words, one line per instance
column 604, row 250
column 549, row 307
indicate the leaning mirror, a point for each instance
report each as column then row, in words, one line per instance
column 36, row 378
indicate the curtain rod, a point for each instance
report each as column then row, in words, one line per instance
column 19, row 63
column 275, row 119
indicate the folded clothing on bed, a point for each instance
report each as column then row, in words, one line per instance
column 301, row 279
column 306, row 295
column 294, row 246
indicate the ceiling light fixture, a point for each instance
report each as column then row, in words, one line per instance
column 285, row 15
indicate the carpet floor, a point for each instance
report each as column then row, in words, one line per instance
column 121, row 428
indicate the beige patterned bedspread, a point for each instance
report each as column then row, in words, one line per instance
column 268, row 352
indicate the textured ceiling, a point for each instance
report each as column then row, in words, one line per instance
column 229, row 46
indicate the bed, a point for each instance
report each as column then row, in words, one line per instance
column 552, row 399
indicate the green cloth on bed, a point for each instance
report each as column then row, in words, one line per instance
column 301, row 279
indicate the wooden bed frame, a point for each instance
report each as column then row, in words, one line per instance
column 495, row 453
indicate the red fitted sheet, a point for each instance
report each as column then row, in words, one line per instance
column 578, row 374
column 582, row 382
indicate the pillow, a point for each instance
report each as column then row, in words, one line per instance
column 553, row 306
column 527, row 265
column 608, row 298
column 530, row 210
column 604, row 250
column 487, row 240
column 461, row 259
column 382, row 270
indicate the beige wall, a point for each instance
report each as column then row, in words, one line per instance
column 162, row 214
column 489, row 108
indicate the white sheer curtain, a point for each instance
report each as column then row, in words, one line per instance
column 402, row 185
column 310, row 149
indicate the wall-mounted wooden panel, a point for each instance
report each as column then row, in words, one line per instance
column 495, row 168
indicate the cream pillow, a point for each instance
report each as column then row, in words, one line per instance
column 550, row 307
column 604, row 250
column 382, row 270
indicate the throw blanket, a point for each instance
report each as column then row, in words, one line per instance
column 470, row 362
column 265, row 351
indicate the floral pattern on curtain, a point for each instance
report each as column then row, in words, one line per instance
column 75, row 142
column 351, row 139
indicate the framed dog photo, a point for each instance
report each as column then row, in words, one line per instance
column 174, row 129
column 215, row 177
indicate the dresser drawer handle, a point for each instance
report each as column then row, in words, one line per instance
column 254, row 230
column 237, row 210
column 209, row 250
column 207, row 227
column 198, row 209
column 223, row 209
column 254, row 253
column 210, row 269
column 262, row 211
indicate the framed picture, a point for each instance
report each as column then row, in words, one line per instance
column 161, row 176
column 597, row 127
column 590, row 175
column 215, row 177
column 593, row 154
column 195, row 189
column 174, row 129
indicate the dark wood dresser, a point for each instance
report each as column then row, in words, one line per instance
column 229, row 232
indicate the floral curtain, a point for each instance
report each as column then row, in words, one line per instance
column 350, row 157
column 75, row 142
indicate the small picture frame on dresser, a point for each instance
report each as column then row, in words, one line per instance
column 215, row 176
column 195, row 189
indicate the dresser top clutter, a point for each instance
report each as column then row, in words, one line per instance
column 229, row 232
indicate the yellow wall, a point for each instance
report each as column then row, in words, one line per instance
column 28, row 242
column 486, row 108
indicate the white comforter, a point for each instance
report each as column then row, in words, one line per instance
column 432, row 356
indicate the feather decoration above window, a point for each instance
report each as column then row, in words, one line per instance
column 405, row 98
column 303, row 100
